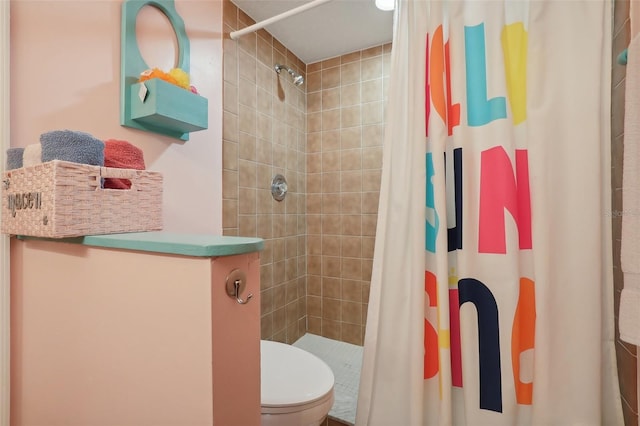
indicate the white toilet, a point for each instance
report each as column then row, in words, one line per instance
column 296, row 386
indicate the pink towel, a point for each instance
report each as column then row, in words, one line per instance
column 121, row 155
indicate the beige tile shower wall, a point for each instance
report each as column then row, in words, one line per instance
column 263, row 135
column 626, row 354
column 345, row 122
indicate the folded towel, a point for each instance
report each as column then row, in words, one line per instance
column 14, row 158
column 76, row 147
column 121, row 155
column 32, row 155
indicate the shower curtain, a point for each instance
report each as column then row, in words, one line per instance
column 491, row 293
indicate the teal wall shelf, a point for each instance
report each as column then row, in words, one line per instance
column 162, row 108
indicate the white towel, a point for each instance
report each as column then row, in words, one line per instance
column 32, row 155
column 629, row 316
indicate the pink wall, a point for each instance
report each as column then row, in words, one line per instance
column 65, row 74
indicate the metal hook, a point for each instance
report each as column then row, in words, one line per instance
column 236, row 286
column 236, row 281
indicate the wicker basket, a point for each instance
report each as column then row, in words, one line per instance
column 60, row 199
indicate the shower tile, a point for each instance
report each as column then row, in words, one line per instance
column 372, row 68
column 279, row 319
column 331, row 329
column 279, row 274
column 247, row 225
column 331, row 287
column 264, row 101
column 351, row 268
column 330, row 161
column 264, row 51
column 314, row 122
column 266, row 255
column 386, row 65
column 314, row 245
column 331, row 119
column 247, row 147
column 230, row 214
column 230, row 97
column 330, row 181
column 316, row 66
column 369, row 224
column 230, row 127
column 330, row 77
column 331, row 224
column 246, row 65
column 352, row 333
column 247, row 120
column 330, row 245
column 314, row 285
column 368, row 245
column 314, row 224
column 386, row 48
column 351, row 116
column 230, row 184
column 230, row 157
column 351, row 159
column 330, row 63
column 372, row 135
column 372, row 90
column 230, row 14
column 352, row 224
column 350, row 73
column 350, row 57
column 247, row 171
column 264, row 202
column 351, row 137
column 263, row 128
column 330, row 98
column 291, row 246
column 352, row 181
column 372, row 158
column 314, row 183
column 351, row 246
column 370, row 202
column 350, row 95
column 314, row 203
column 264, row 224
column 350, row 203
column 244, row 19
column 248, row 43
column 314, row 81
column 372, row 113
column 331, row 309
column 247, row 202
column 314, row 265
column 331, row 269
column 266, row 326
column 367, row 267
column 330, row 203
column 230, row 66
column 279, row 46
column 331, row 140
column 351, row 291
column 371, row 52
column 314, row 142
column 371, row 179
column 314, row 325
column 314, row 102
column 278, row 247
column 266, row 301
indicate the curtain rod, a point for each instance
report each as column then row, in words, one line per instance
column 255, row 27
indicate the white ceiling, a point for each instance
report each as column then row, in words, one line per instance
column 325, row 31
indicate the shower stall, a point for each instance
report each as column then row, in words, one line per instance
column 320, row 125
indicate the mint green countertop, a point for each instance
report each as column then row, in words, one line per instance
column 199, row 245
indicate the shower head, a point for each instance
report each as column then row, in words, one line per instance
column 297, row 78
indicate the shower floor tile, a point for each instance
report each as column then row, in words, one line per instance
column 345, row 360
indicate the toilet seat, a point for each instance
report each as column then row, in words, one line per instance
column 292, row 379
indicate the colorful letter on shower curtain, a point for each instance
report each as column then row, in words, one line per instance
column 490, row 298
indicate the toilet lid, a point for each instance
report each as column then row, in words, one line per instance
column 291, row 376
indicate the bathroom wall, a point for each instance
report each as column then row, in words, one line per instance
column 264, row 134
column 626, row 353
column 345, row 125
column 65, row 74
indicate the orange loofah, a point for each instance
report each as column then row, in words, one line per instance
column 157, row 73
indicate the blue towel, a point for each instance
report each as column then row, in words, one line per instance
column 76, row 147
column 14, row 158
